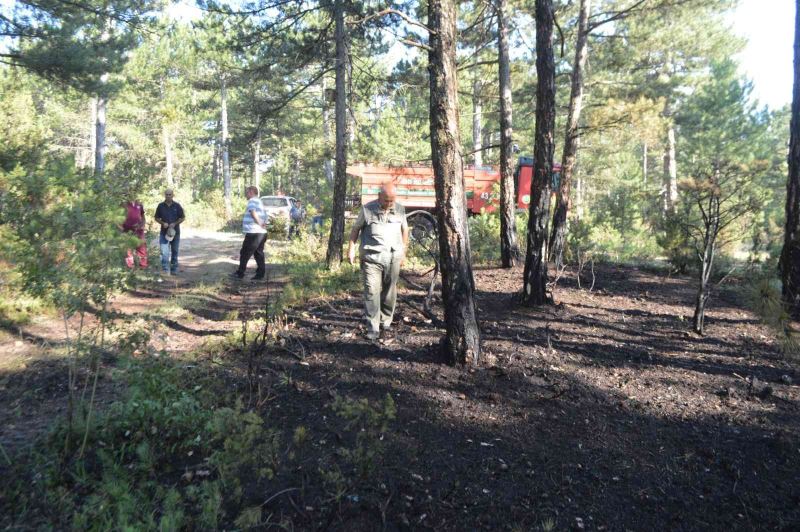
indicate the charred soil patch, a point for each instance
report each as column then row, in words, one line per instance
column 601, row 412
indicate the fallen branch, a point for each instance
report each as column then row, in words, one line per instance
column 429, row 315
column 287, row 490
column 293, row 353
column 426, row 306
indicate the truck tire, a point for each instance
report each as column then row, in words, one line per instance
column 422, row 226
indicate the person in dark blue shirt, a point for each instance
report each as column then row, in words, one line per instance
column 170, row 215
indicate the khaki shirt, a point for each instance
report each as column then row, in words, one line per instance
column 381, row 231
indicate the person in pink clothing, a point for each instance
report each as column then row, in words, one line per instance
column 134, row 223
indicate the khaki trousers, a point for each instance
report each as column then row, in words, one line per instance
column 380, row 272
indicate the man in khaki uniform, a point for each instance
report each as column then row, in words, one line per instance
column 384, row 238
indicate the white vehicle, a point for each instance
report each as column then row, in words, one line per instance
column 277, row 206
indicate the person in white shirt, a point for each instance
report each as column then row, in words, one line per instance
column 254, row 224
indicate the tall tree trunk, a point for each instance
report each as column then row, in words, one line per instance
column 215, row 161
column 92, row 132
column 534, row 281
column 168, row 154
column 790, row 255
column 100, row 136
column 328, row 164
column 572, row 139
column 226, row 162
column 670, row 173
column 509, row 248
column 336, row 238
column 257, row 160
column 461, row 344
column 644, row 163
column 477, row 122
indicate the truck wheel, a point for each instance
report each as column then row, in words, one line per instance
column 422, row 227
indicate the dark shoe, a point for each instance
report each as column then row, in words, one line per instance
column 257, row 277
column 237, row 275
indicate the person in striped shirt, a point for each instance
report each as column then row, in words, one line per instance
column 254, row 227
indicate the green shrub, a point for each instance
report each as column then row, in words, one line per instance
column 484, row 236
column 304, row 260
column 369, row 423
column 764, row 298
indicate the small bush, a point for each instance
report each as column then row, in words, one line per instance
column 764, row 297
column 304, row 260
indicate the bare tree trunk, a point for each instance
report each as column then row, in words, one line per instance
column 100, row 136
column 215, row 161
column 790, row 255
column 328, row 163
column 257, row 160
column 670, row 173
column 477, row 122
column 707, row 261
column 534, row 279
column 336, row 238
column 168, row 154
column 226, row 163
column 572, row 138
column 92, row 133
column 461, row 344
column 509, row 248
column 644, row 163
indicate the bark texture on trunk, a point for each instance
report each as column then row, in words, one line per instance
column 644, row 163
column 534, row 281
column 572, row 138
column 706, row 256
column 92, row 132
column 461, row 344
column 670, row 173
column 226, row 162
column 215, row 158
column 698, row 320
column 790, row 255
column 328, row 164
column 336, row 238
column 168, row 155
column 477, row 122
column 509, row 248
column 257, row 160
column 100, row 136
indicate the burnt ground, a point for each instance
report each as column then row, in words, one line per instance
column 599, row 413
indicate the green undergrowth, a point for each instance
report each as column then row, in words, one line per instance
column 181, row 450
column 17, row 310
column 309, row 278
column 763, row 295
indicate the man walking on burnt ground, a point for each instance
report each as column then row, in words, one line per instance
column 254, row 227
column 384, row 237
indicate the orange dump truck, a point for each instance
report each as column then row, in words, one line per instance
column 414, row 185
